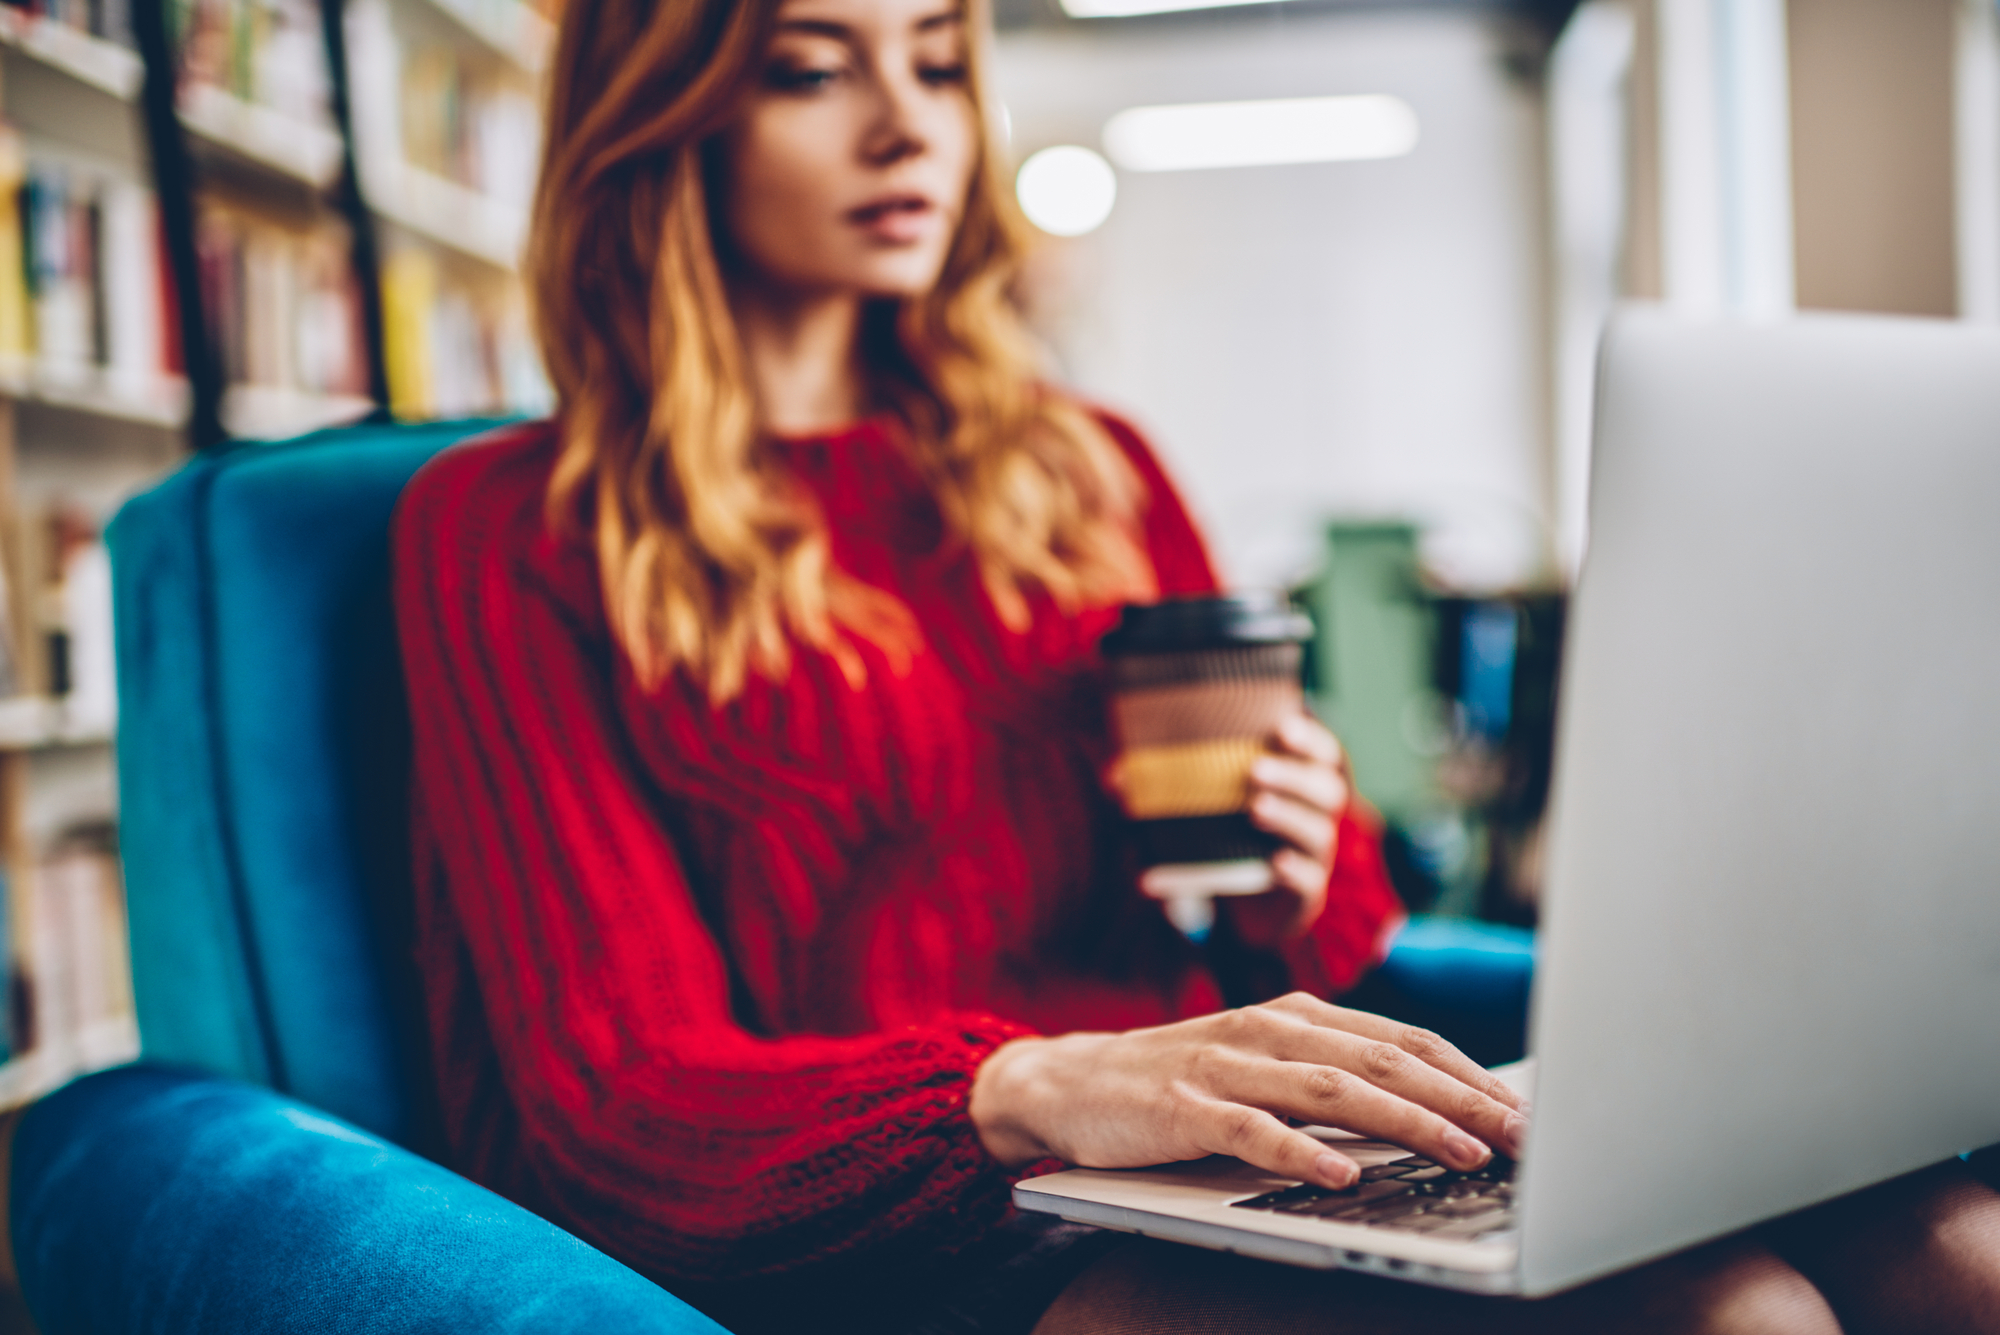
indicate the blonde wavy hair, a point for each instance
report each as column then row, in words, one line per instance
column 713, row 559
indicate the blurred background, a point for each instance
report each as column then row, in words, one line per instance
column 1345, row 261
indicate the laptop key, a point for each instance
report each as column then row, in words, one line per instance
column 1389, row 1210
column 1334, row 1200
column 1382, row 1170
column 1273, row 1200
column 1468, row 1209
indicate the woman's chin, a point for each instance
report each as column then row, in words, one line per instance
column 897, row 289
column 898, row 276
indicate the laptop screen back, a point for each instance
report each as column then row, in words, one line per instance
column 1770, row 968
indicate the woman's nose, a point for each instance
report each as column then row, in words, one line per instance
column 897, row 130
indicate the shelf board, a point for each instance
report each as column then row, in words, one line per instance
column 48, row 1067
column 294, row 148
column 447, row 213
column 508, row 28
column 105, row 66
column 39, row 723
column 256, row 412
column 265, row 412
column 159, row 401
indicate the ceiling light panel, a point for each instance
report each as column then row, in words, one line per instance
column 1119, row 9
column 1261, row 134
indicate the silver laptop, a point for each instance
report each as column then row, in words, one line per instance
column 1769, row 968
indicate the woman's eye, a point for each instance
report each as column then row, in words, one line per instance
column 801, row 78
column 939, row 76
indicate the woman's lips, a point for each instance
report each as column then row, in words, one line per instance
column 896, row 219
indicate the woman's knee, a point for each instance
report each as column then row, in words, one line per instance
column 1919, row 1253
column 1730, row 1288
column 1152, row 1288
column 1158, row 1288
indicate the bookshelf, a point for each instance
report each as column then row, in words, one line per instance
column 306, row 279
column 446, row 97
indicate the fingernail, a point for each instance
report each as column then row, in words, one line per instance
column 1335, row 1171
column 1464, row 1149
column 1515, row 1133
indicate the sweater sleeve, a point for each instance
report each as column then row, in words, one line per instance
column 643, row 1116
column 1362, row 910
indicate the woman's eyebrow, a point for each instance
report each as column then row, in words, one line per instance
column 944, row 19
column 818, row 27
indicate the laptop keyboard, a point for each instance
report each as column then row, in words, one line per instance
column 1413, row 1195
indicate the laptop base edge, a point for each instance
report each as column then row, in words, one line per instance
column 1263, row 1246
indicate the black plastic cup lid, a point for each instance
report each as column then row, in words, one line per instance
column 1222, row 622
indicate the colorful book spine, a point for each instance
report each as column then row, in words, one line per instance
column 281, row 302
column 17, row 342
column 268, row 52
column 455, row 349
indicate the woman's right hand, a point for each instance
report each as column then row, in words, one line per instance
column 1225, row 1083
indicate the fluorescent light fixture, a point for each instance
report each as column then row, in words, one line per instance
column 1118, row 9
column 1067, row 190
column 1261, row 134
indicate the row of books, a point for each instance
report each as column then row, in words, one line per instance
column 281, row 302
column 83, row 286
column 109, row 19
column 270, row 52
column 56, row 644
column 83, row 292
column 80, row 272
column 70, row 974
column 454, row 347
column 467, row 125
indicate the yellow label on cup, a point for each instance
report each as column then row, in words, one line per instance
column 1189, row 779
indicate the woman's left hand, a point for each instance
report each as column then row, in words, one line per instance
column 1297, row 792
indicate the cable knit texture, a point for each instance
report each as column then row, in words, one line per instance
column 709, row 986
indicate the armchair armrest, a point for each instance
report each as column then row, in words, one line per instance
column 1467, row 980
column 152, row 1199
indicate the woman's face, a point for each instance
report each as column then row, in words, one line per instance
column 848, row 169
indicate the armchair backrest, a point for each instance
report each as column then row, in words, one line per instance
column 262, row 754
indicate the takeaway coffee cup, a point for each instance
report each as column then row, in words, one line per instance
column 1198, row 686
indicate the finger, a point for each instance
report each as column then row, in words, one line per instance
column 1312, row 782
column 1422, row 1044
column 1114, row 776
column 1391, row 1067
column 1304, row 877
column 1328, row 1095
column 1305, row 736
column 1306, row 829
column 1258, row 1138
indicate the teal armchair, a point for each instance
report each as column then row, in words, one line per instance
column 263, row 1168
column 259, row 1170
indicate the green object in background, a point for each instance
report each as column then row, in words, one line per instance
column 1372, row 665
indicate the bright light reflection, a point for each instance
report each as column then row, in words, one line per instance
column 1261, row 134
column 1067, row 190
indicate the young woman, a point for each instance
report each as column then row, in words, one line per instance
column 773, row 913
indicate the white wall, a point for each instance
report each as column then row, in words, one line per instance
column 1311, row 341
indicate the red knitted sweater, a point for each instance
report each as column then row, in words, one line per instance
column 709, row 986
